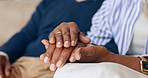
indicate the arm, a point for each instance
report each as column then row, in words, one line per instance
column 16, row 46
column 111, row 46
column 101, row 54
column 101, row 29
column 131, row 62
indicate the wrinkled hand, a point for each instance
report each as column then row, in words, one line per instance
column 67, row 34
column 92, row 54
column 58, row 56
column 4, row 67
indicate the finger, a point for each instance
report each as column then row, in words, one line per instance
column 54, row 59
column 83, row 38
column 66, row 37
column 2, row 60
column 87, row 54
column 64, row 56
column 52, row 38
column 74, row 34
column 72, row 57
column 1, row 71
column 42, row 56
column 7, row 69
column 46, row 43
column 49, row 53
column 59, row 39
column 78, row 54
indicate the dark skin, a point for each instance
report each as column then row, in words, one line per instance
column 56, row 53
column 81, row 53
column 97, row 54
column 58, row 56
column 69, row 35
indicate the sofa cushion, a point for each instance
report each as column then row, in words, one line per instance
column 13, row 16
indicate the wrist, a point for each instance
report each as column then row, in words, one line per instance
column 110, row 57
column 131, row 62
column 106, row 56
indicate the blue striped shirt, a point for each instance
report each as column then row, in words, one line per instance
column 115, row 19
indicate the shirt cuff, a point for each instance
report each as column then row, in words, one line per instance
column 4, row 54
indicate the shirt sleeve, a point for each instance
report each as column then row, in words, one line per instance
column 16, row 46
column 101, row 31
column 4, row 54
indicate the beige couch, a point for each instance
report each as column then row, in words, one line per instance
column 13, row 16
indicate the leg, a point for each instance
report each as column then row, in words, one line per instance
column 30, row 67
column 97, row 70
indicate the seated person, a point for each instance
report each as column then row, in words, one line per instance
column 24, row 48
column 115, row 19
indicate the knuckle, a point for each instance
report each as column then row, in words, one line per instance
column 53, row 61
column 65, row 33
column 63, row 23
column 63, row 58
column 58, row 35
column 73, row 23
column 48, row 55
column 75, row 32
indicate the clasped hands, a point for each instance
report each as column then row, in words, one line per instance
column 67, row 42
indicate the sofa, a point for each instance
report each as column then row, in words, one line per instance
column 14, row 15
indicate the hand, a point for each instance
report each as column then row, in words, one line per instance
column 58, row 56
column 92, row 54
column 4, row 67
column 67, row 34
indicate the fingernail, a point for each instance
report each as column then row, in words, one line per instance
column 52, row 67
column 72, row 42
column 46, row 59
column 66, row 44
column 51, row 39
column 58, row 43
column 59, row 63
column 72, row 59
column 79, row 54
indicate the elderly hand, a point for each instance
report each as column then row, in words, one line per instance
column 4, row 67
column 58, row 56
column 92, row 54
column 67, row 34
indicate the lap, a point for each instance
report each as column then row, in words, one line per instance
column 30, row 67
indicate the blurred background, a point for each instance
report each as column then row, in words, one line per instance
column 14, row 14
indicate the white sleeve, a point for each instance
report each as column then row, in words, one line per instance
column 4, row 54
column 100, row 32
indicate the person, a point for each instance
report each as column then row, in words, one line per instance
column 24, row 48
column 115, row 19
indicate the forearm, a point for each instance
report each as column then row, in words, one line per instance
column 15, row 47
column 131, row 62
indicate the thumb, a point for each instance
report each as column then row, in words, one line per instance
column 83, row 38
column 46, row 43
column 7, row 69
column 85, row 54
column 80, row 52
